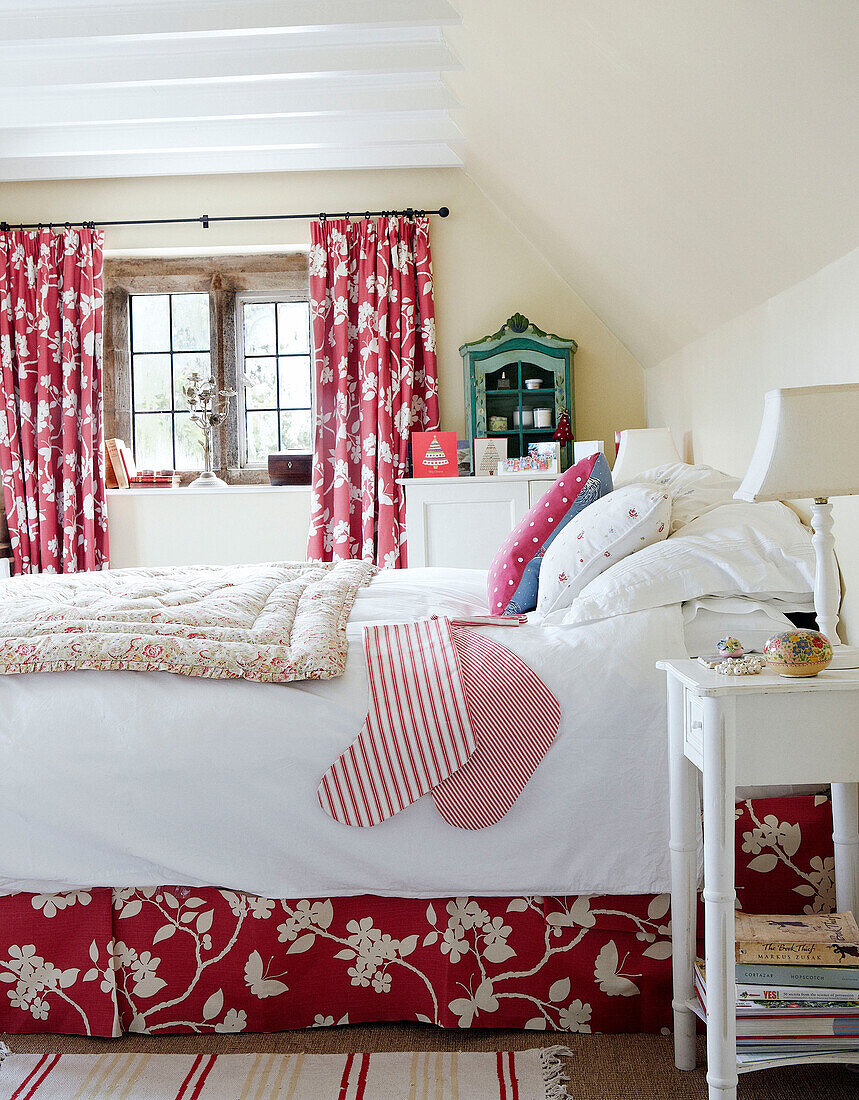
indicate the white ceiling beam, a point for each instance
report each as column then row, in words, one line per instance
column 432, row 127
column 115, row 18
column 99, row 63
column 30, row 108
column 222, row 161
column 107, row 88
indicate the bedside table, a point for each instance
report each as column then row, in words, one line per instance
column 746, row 730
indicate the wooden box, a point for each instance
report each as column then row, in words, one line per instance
column 288, row 468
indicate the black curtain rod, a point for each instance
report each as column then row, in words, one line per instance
column 206, row 219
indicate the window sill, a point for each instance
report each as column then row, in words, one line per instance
column 185, row 490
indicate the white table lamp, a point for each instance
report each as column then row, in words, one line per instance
column 641, row 449
column 807, row 449
column 587, row 447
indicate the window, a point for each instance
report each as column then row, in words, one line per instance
column 169, row 335
column 243, row 320
column 275, row 376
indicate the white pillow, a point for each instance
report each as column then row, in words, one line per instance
column 739, row 549
column 607, row 531
column 707, row 620
column 694, row 490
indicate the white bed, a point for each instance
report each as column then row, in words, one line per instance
column 142, row 778
column 127, row 778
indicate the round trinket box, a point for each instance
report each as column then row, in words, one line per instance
column 798, row 652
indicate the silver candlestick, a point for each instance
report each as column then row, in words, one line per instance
column 208, row 407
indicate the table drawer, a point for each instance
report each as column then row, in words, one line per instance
column 693, row 728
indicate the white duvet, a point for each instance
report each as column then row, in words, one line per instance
column 144, row 778
column 147, row 778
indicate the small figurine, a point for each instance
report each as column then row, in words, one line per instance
column 730, row 647
column 564, row 431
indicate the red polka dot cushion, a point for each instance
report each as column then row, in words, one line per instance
column 514, row 576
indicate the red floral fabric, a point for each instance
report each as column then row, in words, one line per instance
column 373, row 327
column 51, row 428
column 178, row 959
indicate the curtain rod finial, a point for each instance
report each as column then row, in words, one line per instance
column 443, row 212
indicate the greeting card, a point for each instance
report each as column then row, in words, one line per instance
column 434, row 454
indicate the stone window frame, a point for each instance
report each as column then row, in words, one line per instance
column 223, row 278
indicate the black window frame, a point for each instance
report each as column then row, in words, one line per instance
column 223, row 277
column 173, row 411
column 262, row 298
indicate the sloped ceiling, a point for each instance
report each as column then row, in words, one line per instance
column 677, row 161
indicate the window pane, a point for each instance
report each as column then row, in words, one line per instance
column 189, row 443
column 183, row 365
column 190, row 322
column 258, row 322
column 295, row 431
column 276, row 374
column 153, row 441
column 150, row 322
column 293, row 328
column 151, row 382
column 260, row 383
column 294, row 382
column 262, row 435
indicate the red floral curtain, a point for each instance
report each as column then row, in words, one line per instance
column 51, row 432
column 373, row 329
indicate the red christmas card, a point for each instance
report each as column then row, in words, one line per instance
column 434, row 454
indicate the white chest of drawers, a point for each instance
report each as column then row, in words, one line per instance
column 460, row 522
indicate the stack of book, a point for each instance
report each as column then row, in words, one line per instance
column 797, row 987
column 154, row 479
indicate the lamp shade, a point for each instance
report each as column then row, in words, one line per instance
column 581, row 449
column 641, row 449
column 807, row 445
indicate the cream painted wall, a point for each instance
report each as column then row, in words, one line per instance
column 711, row 393
column 484, row 268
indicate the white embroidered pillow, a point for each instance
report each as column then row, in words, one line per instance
column 694, row 490
column 611, row 528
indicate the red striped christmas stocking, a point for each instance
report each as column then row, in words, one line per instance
column 450, row 712
column 515, row 718
column 417, row 731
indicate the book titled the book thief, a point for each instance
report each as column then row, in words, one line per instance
column 819, row 939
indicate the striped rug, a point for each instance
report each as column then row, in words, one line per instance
column 425, row 1075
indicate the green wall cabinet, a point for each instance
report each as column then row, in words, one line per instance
column 497, row 371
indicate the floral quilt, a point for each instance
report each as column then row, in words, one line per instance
column 178, row 959
column 275, row 623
